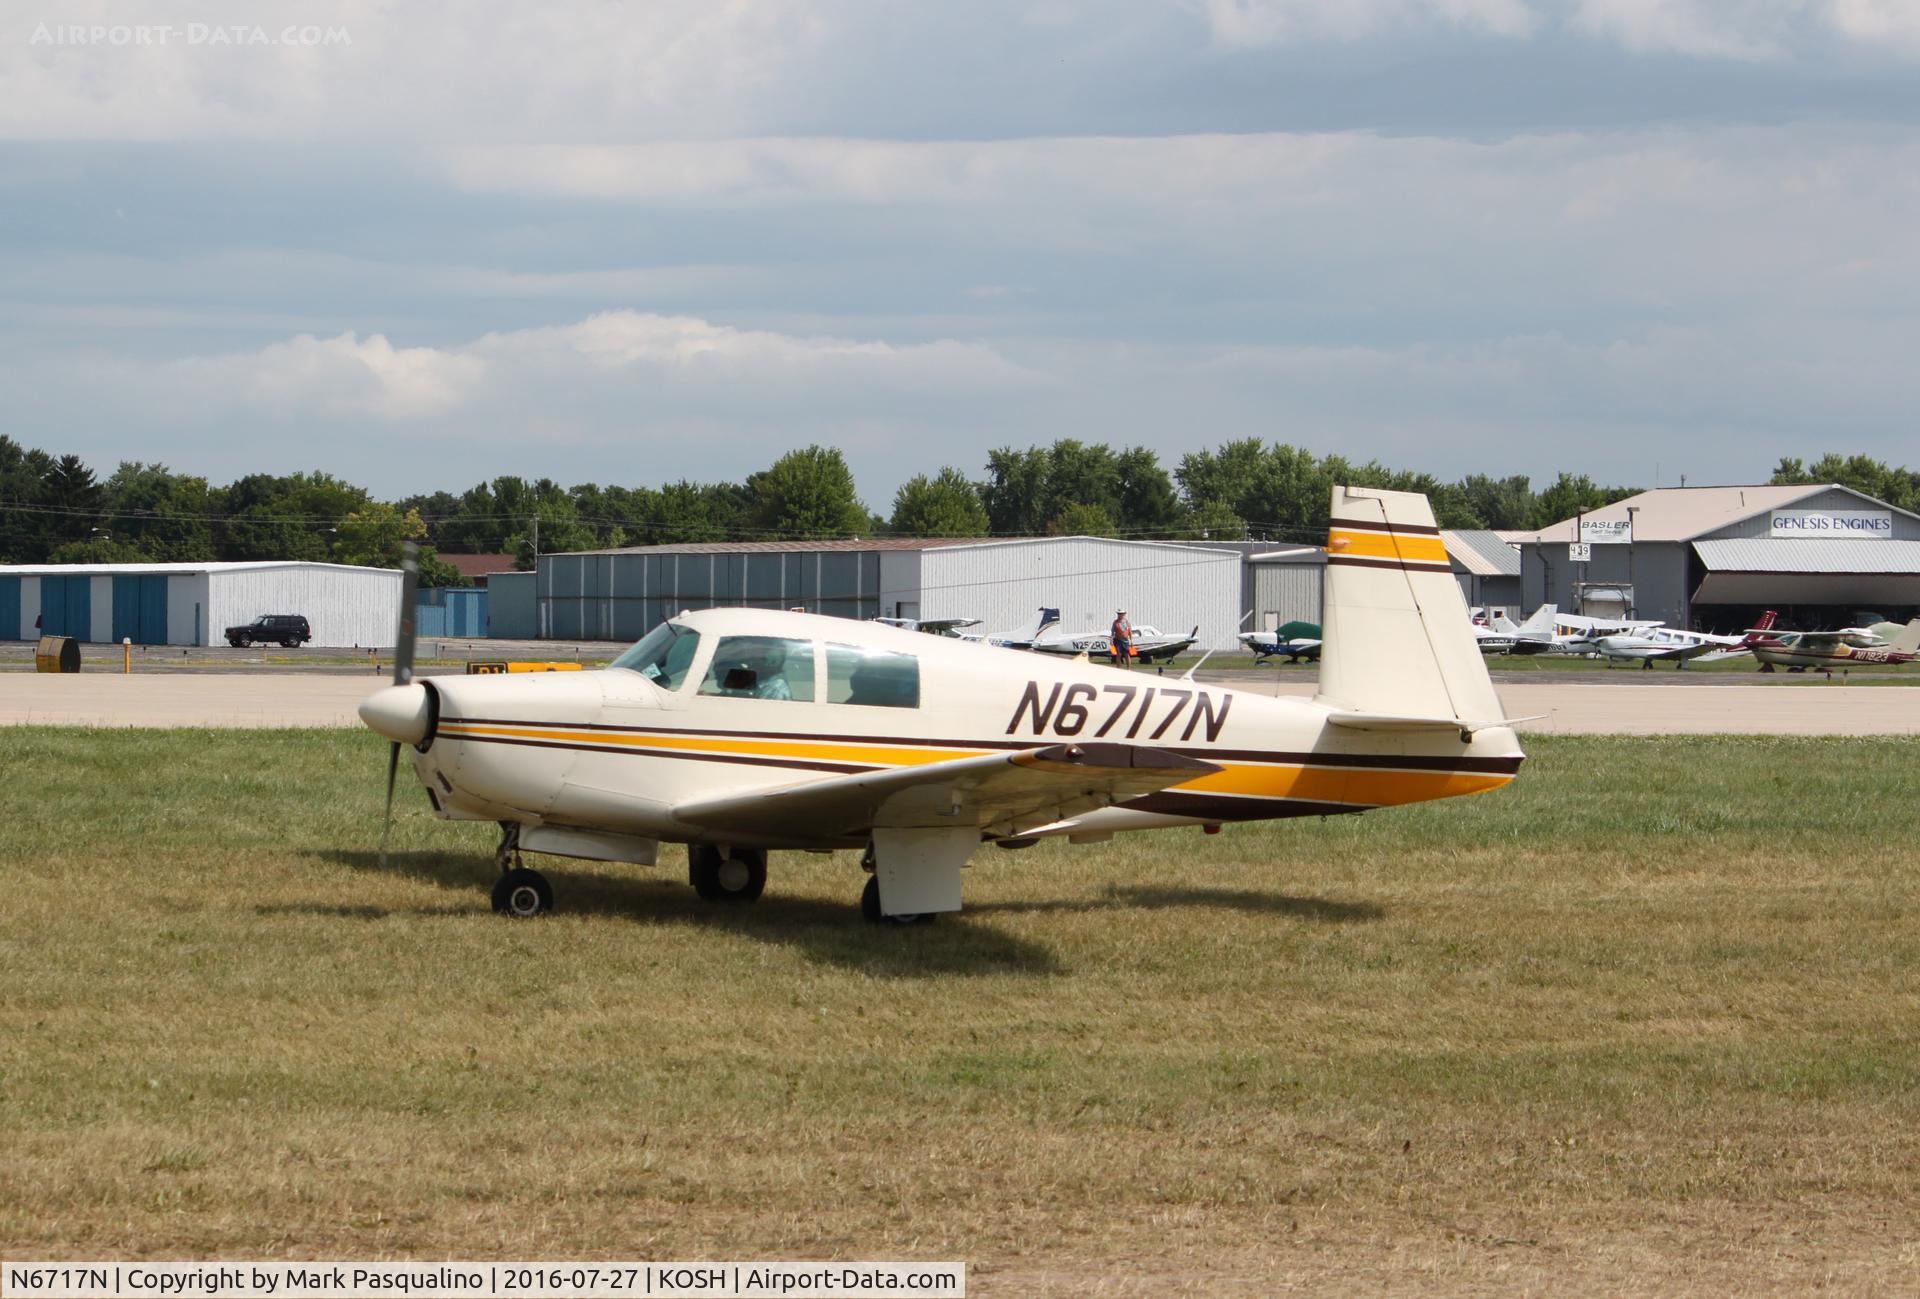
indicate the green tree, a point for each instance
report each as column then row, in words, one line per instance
column 1081, row 519
column 100, row 549
column 946, row 505
column 1500, row 503
column 1149, row 505
column 165, row 515
column 809, row 493
column 1214, row 521
column 1015, row 491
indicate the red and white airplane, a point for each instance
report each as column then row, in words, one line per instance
column 739, row 731
column 1850, row 647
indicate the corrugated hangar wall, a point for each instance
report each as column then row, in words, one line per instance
column 1172, row 588
column 346, row 607
column 621, row 597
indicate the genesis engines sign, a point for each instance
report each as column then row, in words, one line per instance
column 1874, row 525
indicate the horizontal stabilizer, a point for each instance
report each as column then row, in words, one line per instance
column 1399, row 722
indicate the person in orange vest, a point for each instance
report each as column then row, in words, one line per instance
column 1122, row 634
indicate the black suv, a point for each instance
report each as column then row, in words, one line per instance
column 290, row 629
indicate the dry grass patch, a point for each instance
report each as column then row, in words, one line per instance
column 1644, row 1021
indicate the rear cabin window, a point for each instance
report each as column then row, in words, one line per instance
column 879, row 678
column 761, row 667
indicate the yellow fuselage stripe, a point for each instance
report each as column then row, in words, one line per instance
column 1357, row 785
column 1377, row 545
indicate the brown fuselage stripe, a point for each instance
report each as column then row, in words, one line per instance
column 1404, row 762
column 839, row 768
column 1378, row 526
column 1412, row 566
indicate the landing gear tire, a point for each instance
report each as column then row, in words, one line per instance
column 737, row 875
column 870, row 908
column 523, row 894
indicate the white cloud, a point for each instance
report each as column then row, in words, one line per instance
column 344, row 376
column 602, row 361
column 1256, row 23
column 1892, row 25
column 1698, row 28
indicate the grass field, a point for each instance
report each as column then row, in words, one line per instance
column 1645, row 1022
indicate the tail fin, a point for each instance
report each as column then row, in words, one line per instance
column 1397, row 638
column 1541, row 624
column 1908, row 641
column 1766, row 620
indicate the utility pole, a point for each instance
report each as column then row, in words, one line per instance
column 1633, row 596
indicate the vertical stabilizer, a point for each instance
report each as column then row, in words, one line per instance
column 1908, row 641
column 1397, row 637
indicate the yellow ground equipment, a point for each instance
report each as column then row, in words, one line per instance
column 492, row 667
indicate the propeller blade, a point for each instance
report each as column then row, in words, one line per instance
column 393, row 772
column 409, row 597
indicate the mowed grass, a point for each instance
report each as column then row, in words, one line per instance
column 1646, row 1021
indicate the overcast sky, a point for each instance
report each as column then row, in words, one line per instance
column 422, row 244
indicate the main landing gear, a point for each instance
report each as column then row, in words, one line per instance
column 870, row 899
column 520, row 892
column 726, row 874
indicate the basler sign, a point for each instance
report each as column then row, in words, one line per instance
column 1860, row 524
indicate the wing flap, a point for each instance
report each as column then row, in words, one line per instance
column 1000, row 793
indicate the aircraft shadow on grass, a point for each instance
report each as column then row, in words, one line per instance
column 828, row 932
column 1253, row 901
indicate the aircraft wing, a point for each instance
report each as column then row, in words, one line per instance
column 1001, row 793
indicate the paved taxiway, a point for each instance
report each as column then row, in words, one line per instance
column 1597, row 708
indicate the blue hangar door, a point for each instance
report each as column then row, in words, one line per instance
column 9, row 608
column 140, row 608
column 66, row 607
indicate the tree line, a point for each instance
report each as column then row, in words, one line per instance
column 53, row 509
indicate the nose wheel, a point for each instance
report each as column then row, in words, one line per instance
column 523, row 894
column 520, row 892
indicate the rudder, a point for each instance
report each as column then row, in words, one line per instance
column 1397, row 640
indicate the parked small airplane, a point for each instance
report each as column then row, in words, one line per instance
column 949, row 627
column 1659, row 644
column 1850, row 647
column 1294, row 640
column 736, row 731
column 1149, row 643
column 1499, row 635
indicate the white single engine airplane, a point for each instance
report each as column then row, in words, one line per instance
column 1499, row 635
column 737, row 731
column 1663, row 644
column 948, row 627
column 1295, row 640
column 1149, row 643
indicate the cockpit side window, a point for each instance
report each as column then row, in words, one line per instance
column 879, row 678
column 663, row 655
column 761, row 667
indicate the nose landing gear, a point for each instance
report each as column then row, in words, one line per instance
column 520, row 892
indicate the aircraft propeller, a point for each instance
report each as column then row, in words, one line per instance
column 402, row 670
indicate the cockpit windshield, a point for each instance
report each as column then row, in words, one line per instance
column 663, row 655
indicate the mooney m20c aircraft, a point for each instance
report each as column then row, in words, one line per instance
column 736, row 731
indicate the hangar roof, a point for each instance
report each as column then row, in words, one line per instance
column 1683, row 513
column 1795, row 555
column 780, row 547
column 212, row 566
column 1482, row 552
column 868, row 544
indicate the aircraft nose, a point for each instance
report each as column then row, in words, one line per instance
column 399, row 713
